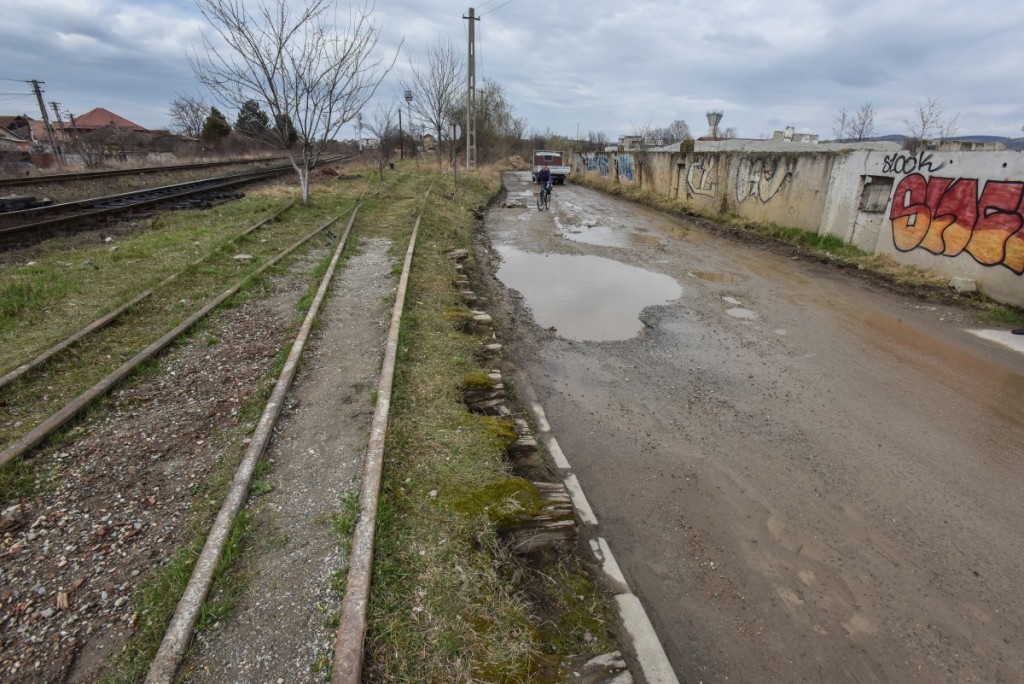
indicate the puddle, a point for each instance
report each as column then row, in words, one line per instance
column 606, row 236
column 585, row 297
column 711, row 276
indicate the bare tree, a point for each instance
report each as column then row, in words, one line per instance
column 841, row 123
column 436, row 88
column 857, row 126
column 384, row 127
column 298, row 64
column 929, row 121
column 188, row 114
column 677, row 131
column 863, row 124
column 518, row 133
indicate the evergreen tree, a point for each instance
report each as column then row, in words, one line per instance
column 252, row 121
column 216, row 127
column 285, row 132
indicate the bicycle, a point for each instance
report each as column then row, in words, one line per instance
column 544, row 197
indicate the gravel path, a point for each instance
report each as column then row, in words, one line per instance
column 71, row 557
column 282, row 628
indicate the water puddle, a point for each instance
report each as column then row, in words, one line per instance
column 607, row 236
column 585, row 297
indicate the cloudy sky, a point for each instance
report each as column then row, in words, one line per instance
column 587, row 65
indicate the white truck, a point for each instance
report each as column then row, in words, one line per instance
column 554, row 162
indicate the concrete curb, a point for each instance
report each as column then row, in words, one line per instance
column 647, row 649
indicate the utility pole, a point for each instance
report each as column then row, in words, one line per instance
column 471, row 94
column 401, row 136
column 63, row 133
column 46, row 118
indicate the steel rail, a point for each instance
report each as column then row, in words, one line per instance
column 106, row 319
column 112, row 173
column 164, row 668
column 351, row 634
column 51, row 424
column 124, row 203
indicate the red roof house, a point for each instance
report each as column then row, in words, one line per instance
column 95, row 119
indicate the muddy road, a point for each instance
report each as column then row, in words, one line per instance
column 804, row 478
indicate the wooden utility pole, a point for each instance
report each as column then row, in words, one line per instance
column 471, row 93
column 46, row 118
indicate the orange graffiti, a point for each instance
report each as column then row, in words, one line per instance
column 946, row 216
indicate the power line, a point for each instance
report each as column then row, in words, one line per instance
column 498, row 7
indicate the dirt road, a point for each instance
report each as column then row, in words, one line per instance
column 804, row 478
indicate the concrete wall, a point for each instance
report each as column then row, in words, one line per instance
column 958, row 213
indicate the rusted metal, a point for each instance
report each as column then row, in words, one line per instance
column 43, row 221
column 48, row 426
column 164, row 667
column 99, row 175
column 105, row 320
column 350, row 637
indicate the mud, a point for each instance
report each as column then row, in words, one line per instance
column 804, row 476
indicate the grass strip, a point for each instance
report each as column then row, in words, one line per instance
column 448, row 603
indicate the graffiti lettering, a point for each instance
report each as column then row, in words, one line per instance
column 947, row 216
column 760, row 179
column 700, row 176
column 625, row 162
column 597, row 163
column 901, row 163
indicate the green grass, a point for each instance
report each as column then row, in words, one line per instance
column 445, row 604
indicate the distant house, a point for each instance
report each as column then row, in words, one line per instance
column 98, row 118
column 9, row 142
column 34, row 132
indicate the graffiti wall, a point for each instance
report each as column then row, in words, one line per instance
column 958, row 213
column 625, row 162
column 784, row 188
column 596, row 163
column 955, row 215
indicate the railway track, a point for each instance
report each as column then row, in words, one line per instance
column 29, row 225
column 45, row 428
column 56, row 178
column 179, row 633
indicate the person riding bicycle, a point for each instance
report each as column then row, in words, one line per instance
column 544, row 177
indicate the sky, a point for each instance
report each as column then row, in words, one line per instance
column 580, row 66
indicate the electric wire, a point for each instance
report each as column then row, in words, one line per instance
column 498, row 7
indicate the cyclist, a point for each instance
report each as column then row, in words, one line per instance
column 544, row 179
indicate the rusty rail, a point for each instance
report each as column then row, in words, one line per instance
column 51, row 424
column 105, row 320
column 164, row 668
